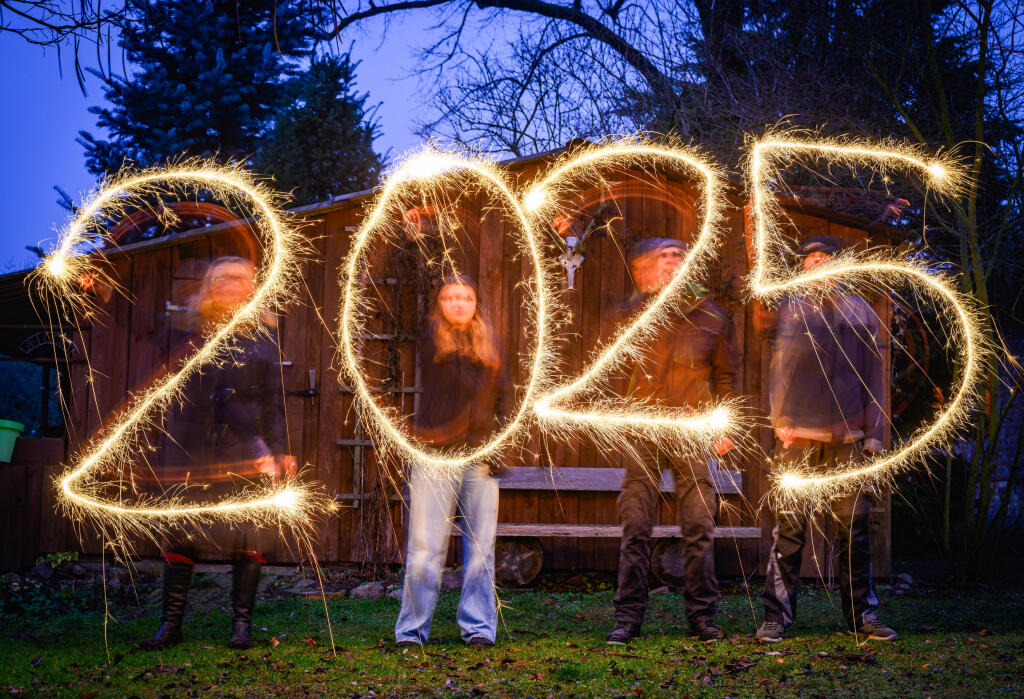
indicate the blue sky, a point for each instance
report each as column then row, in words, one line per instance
column 44, row 112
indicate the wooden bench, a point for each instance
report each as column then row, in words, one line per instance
column 518, row 562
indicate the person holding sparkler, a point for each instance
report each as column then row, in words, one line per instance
column 826, row 385
column 689, row 362
column 226, row 431
column 465, row 397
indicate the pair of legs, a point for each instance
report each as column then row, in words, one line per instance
column 179, row 562
column 433, row 501
column 695, row 508
column 853, row 543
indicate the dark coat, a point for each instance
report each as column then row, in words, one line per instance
column 229, row 415
column 826, row 378
column 691, row 359
column 463, row 402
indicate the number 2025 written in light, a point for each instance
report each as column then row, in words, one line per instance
column 553, row 405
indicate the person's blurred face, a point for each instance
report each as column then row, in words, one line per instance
column 653, row 271
column 231, row 285
column 814, row 259
column 457, row 303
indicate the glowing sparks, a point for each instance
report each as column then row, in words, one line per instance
column 86, row 488
column 770, row 280
column 679, row 429
column 609, row 416
column 424, row 165
column 56, row 266
column 287, row 499
column 719, row 419
column 425, row 170
column 534, row 200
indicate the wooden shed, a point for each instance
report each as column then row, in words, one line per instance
column 571, row 512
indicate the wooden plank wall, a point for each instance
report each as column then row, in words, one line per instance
column 123, row 351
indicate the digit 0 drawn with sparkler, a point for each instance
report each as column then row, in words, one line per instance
column 423, row 172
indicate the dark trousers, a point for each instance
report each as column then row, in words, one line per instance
column 243, row 540
column 852, row 545
column 695, row 507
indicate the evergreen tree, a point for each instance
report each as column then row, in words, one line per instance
column 321, row 143
column 208, row 77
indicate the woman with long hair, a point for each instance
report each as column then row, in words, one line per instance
column 465, row 398
column 226, row 432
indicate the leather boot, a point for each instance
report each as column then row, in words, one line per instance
column 245, row 581
column 177, row 579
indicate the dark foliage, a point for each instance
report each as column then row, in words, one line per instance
column 207, row 80
column 321, row 143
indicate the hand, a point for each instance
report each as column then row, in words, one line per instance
column 267, row 465
column 894, row 211
column 288, row 465
column 871, row 448
column 785, row 435
column 723, row 445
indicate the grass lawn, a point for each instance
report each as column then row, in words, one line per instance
column 962, row 643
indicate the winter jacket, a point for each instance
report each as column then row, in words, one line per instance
column 691, row 359
column 228, row 416
column 826, row 379
column 462, row 403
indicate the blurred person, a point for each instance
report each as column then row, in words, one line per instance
column 826, row 386
column 465, row 398
column 690, row 362
column 226, row 431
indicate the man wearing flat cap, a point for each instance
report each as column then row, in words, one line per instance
column 826, row 387
column 689, row 362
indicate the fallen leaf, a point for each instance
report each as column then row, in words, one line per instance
column 740, row 664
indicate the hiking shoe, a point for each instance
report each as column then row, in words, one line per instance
column 623, row 633
column 874, row 630
column 707, row 630
column 406, row 644
column 480, row 642
column 770, row 632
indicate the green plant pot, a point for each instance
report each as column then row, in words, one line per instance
column 9, row 433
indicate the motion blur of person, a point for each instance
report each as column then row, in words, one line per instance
column 226, row 432
column 690, row 362
column 465, row 398
column 826, row 387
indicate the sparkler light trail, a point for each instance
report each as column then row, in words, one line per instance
column 86, row 488
column 426, row 171
column 770, row 280
column 609, row 416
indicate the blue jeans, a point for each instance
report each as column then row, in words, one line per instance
column 432, row 501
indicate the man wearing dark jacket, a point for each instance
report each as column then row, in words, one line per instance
column 689, row 362
column 826, row 390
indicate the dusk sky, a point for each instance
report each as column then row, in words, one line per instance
column 45, row 112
